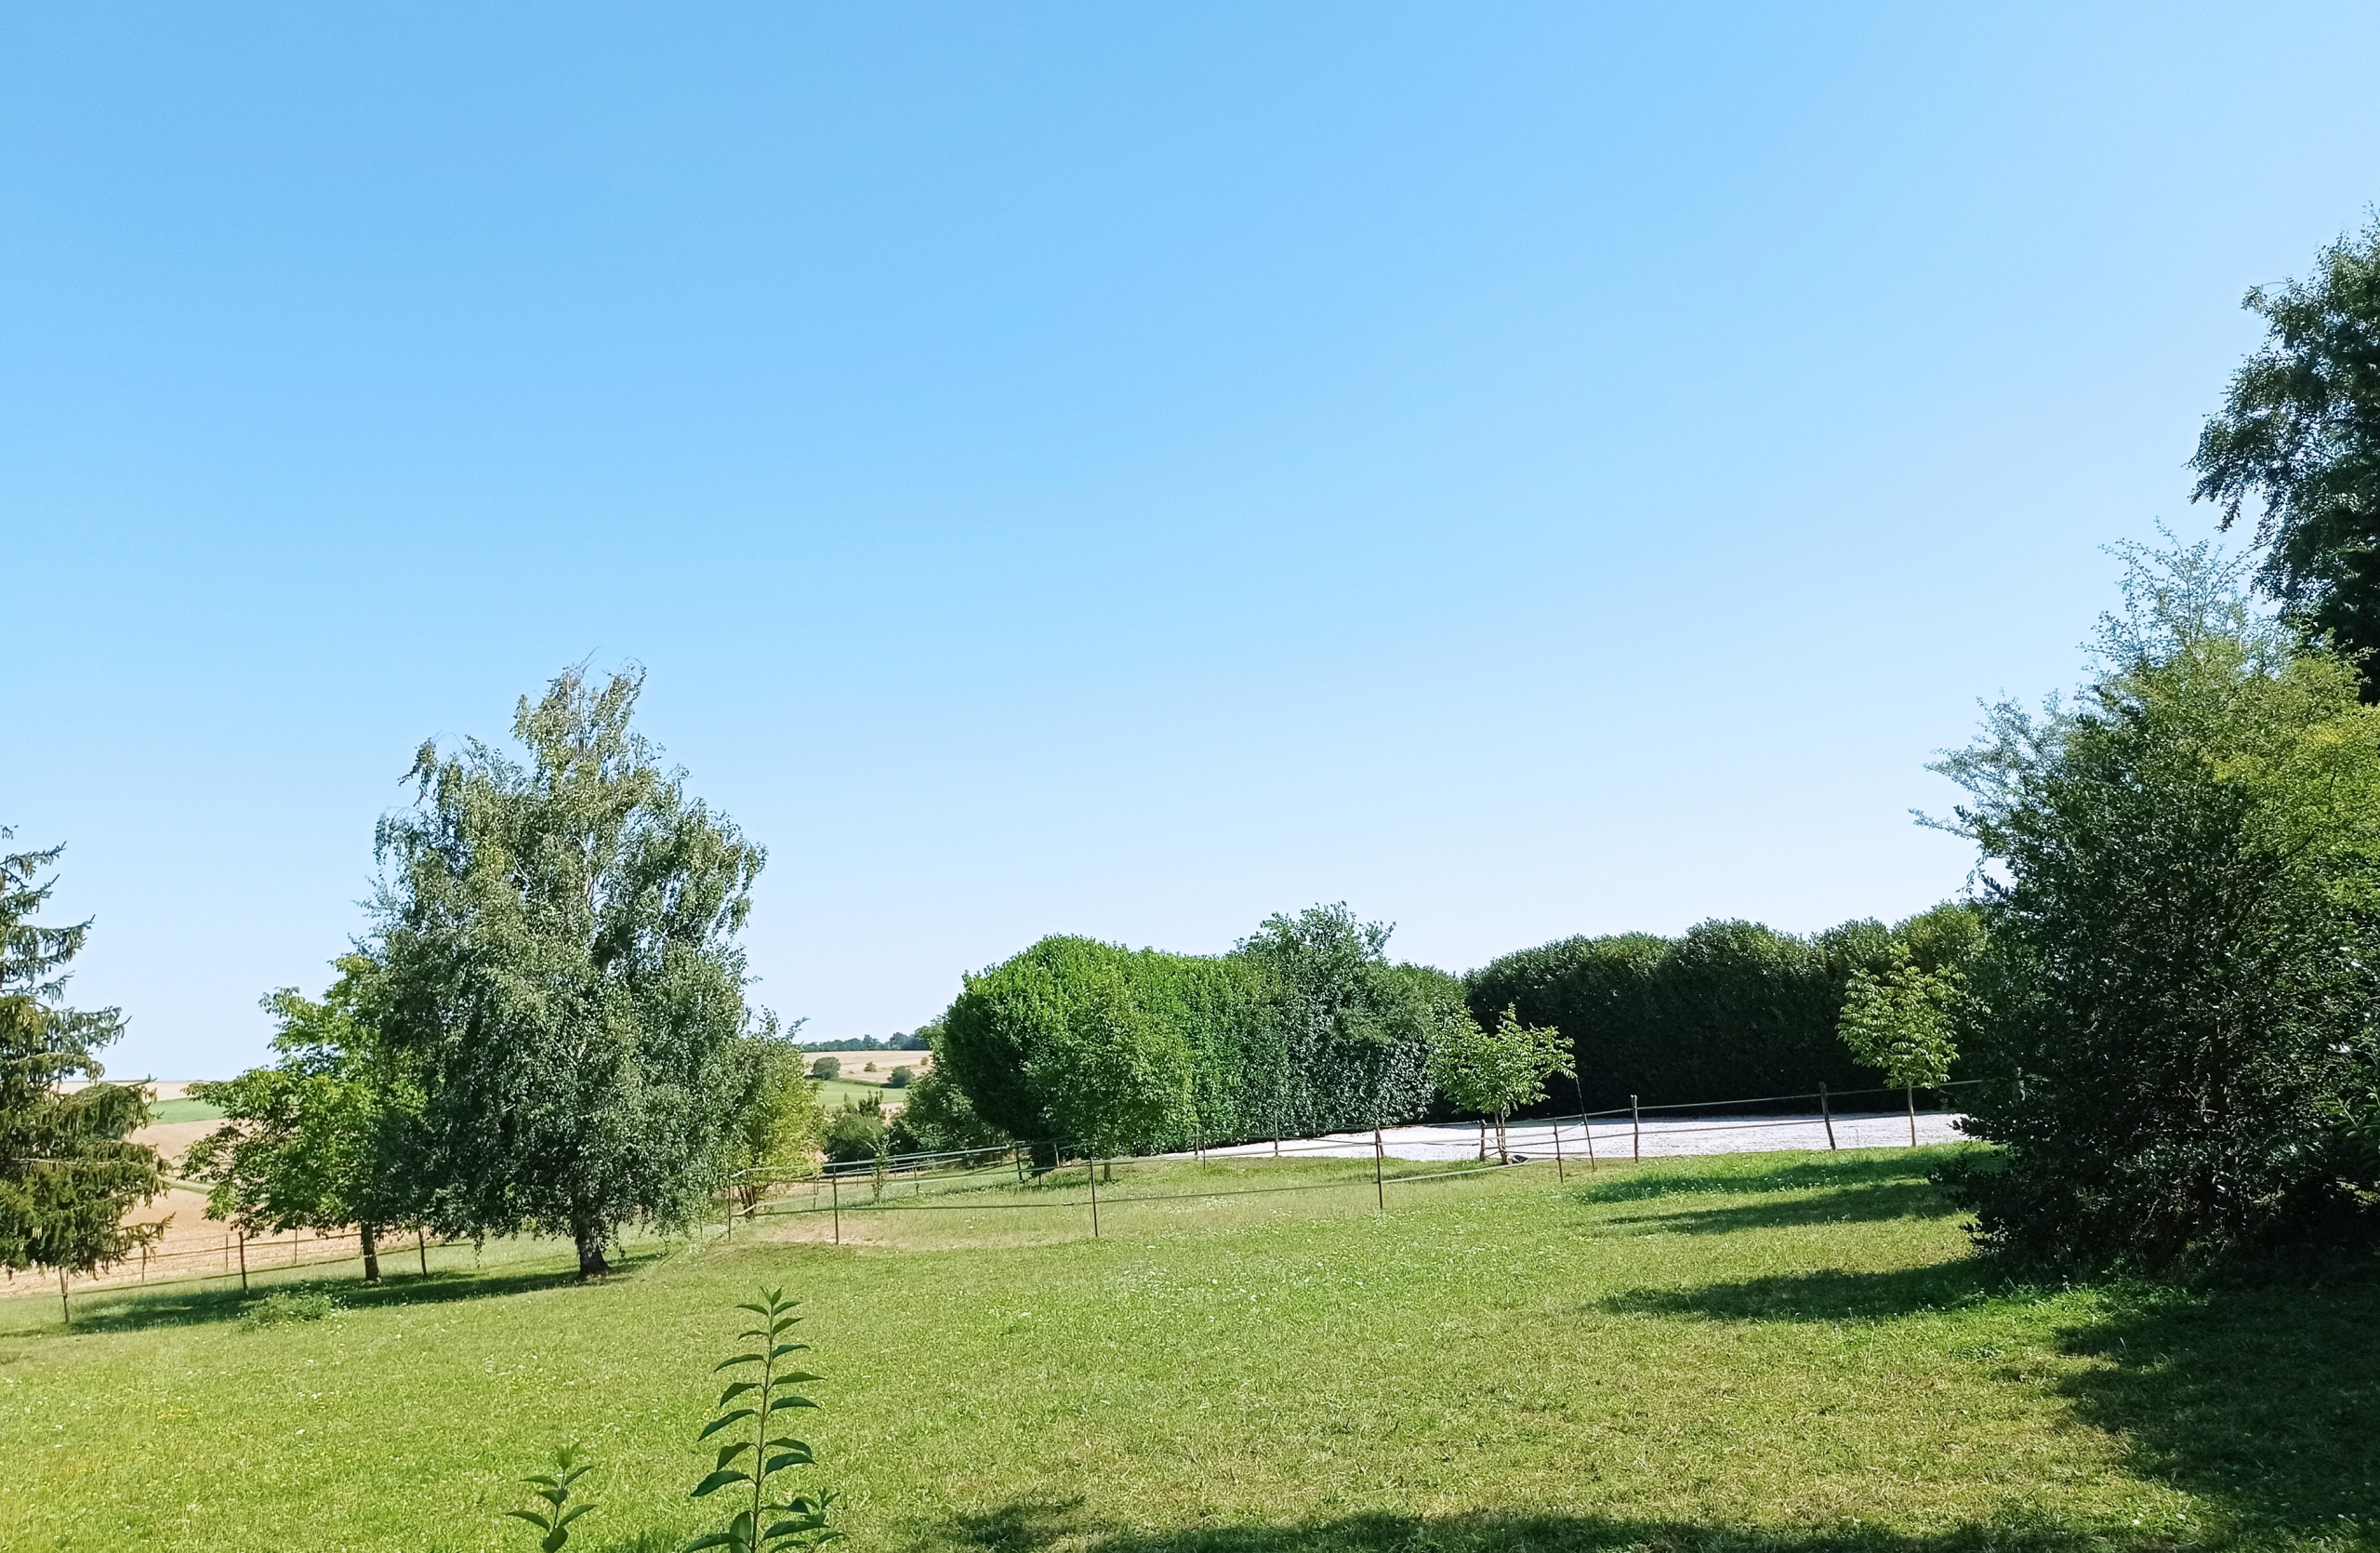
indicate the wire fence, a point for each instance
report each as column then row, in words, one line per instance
column 1045, row 1176
column 1039, row 1176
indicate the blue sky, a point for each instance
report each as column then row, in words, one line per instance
column 1521, row 470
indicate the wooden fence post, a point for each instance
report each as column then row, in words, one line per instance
column 1379, row 1178
column 1912, row 1092
column 1091, row 1171
column 244, row 1264
column 1558, row 1175
column 1636, row 1128
column 835, row 1185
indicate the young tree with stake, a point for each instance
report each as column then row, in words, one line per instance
column 1496, row 1072
column 1899, row 1020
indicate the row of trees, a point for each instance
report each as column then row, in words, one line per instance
column 1307, row 1026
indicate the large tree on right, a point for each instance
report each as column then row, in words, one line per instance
column 2299, row 436
column 2176, row 996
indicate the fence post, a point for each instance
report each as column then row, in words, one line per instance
column 1912, row 1092
column 1585, row 1125
column 1635, row 1129
column 835, row 1185
column 1091, row 1173
column 1380, row 1180
column 1826, row 1112
column 1558, row 1175
column 66, row 1311
column 244, row 1264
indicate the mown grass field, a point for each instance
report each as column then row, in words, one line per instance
column 1758, row 1352
column 835, row 1092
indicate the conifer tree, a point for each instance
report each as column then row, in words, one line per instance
column 68, row 1173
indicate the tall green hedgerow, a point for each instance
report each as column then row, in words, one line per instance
column 1729, row 1010
column 1305, row 1027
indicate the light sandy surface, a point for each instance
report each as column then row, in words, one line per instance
column 1617, row 1140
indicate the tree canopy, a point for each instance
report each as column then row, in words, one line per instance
column 324, row 1137
column 2299, row 434
column 1494, row 1071
column 556, row 960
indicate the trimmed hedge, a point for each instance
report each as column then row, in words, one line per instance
column 1305, row 1028
column 1732, row 1010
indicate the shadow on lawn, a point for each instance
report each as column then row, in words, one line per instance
column 1742, row 1174
column 1864, row 1189
column 1028, row 1527
column 1850, row 1205
column 138, row 1309
column 2260, row 1398
column 1826, row 1296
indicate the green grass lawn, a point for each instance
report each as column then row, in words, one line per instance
column 1772, row 1354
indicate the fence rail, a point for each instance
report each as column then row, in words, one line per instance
column 912, row 1182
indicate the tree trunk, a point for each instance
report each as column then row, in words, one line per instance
column 590, row 1252
column 63, row 1305
column 1483, row 1139
column 370, row 1237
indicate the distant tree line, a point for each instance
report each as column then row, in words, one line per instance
column 896, row 1041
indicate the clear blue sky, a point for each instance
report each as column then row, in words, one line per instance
column 1519, row 469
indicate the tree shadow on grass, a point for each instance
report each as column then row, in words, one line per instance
column 1034, row 1527
column 138, row 1310
column 1850, row 1205
column 1824, row 1295
column 2262, row 1398
column 1738, row 1175
column 1857, row 1189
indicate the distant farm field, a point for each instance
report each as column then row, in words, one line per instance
column 835, row 1092
column 1778, row 1351
column 168, row 1112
